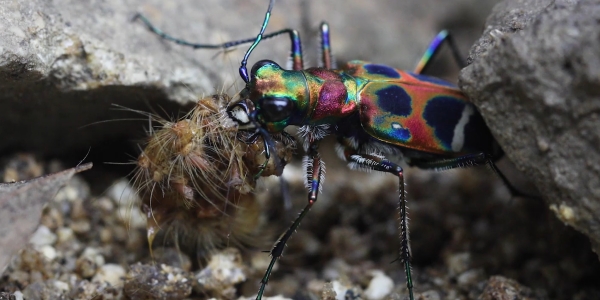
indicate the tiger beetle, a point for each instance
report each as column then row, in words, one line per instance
column 374, row 110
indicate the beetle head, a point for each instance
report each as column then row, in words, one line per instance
column 277, row 94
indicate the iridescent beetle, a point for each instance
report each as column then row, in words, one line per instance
column 373, row 110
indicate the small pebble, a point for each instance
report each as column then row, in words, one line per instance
column 67, row 193
column 470, row 277
column 278, row 297
column 59, row 285
column 123, row 193
column 48, row 251
column 316, row 286
column 106, row 205
column 31, row 260
column 85, row 290
column 327, row 292
column 502, row 288
column 458, row 263
column 88, row 262
column 380, row 286
column 172, row 257
column 106, row 235
column 151, row 282
column 78, row 211
column 65, row 234
column 431, row 295
column 259, row 262
column 339, row 287
column 42, row 237
column 132, row 216
column 81, row 226
column 19, row 277
column 111, row 273
column 48, row 289
column 52, row 218
column 18, row 295
column 224, row 270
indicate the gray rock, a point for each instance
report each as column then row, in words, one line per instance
column 535, row 77
column 64, row 63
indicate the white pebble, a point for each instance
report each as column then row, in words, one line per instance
column 67, row 193
column 380, row 286
column 132, row 216
column 48, row 251
column 61, row 285
column 65, row 234
column 340, row 289
column 224, row 269
column 123, row 193
column 42, row 237
column 18, row 295
column 111, row 273
column 93, row 254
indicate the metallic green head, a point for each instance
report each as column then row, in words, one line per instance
column 280, row 97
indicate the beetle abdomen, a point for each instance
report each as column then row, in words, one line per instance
column 417, row 111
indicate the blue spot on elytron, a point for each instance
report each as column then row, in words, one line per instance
column 382, row 70
column 443, row 113
column 395, row 100
column 433, row 80
column 399, row 133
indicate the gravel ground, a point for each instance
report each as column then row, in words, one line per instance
column 469, row 240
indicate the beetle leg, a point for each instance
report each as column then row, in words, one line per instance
column 315, row 172
column 472, row 160
column 296, row 52
column 326, row 56
column 379, row 163
column 513, row 190
column 434, row 48
column 451, row 163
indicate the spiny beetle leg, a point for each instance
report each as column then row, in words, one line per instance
column 296, row 49
column 473, row 160
column 433, row 49
column 168, row 37
column 379, row 163
column 451, row 163
column 315, row 175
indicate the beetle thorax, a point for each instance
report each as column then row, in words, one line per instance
column 331, row 96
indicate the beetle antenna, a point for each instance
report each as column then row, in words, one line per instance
column 243, row 68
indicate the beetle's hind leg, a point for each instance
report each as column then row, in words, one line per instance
column 472, row 160
column 433, row 50
column 379, row 163
column 296, row 46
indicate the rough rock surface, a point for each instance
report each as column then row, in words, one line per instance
column 535, row 77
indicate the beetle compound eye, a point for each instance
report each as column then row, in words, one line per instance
column 261, row 64
column 275, row 109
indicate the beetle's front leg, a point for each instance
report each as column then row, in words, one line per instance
column 315, row 173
